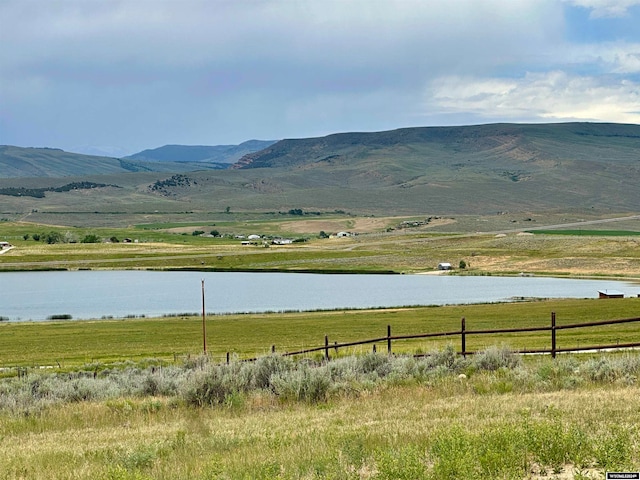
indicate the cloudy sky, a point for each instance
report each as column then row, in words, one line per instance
column 120, row 76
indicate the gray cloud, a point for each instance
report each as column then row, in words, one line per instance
column 139, row 74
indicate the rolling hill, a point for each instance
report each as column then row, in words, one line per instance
column 17, row 162
column 477, row 170
column 20, row 162
column 537, row 143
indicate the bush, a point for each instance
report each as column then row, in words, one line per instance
column 494, row 358
column 303, row 384
column 214, row 385
column 207, row 389
column 91, row 238
column 445, row 358
column 265, row 368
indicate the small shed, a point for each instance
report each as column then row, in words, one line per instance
column 4, row 245
column 444, row 266
column 610, row 294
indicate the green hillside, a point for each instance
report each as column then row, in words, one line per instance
column 478, row 144
column 477, row 170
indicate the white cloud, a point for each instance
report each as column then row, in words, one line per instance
column 537, row 97
column 605, row 8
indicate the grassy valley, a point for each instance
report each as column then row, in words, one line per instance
column 141, row 401
column 584, row 169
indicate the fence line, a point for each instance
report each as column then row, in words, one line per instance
column 463, row 333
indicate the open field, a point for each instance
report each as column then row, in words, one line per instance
column 496, row 246
column 69, row 344
column 112, row 385
column 373, row 417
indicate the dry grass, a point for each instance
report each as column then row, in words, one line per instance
column 346, row 438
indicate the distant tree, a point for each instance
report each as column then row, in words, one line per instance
column 462, row 264
column 296, row 211
column 36, row 237
column 90, row 238
column 25, row 236
column 323, row 234
column 114, row 239
column 52, row 237
column 197, row 233
column 214, row 233
column 227, row 210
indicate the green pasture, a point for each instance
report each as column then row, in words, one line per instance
column 75, row 342
column 402, row 251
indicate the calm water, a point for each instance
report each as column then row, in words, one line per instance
column 95, row 294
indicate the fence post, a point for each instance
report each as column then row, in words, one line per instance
column 227, row 358
column 463, row 337
column 273, row 349
column 326, row 347
column 389, row 339
column 553, row 334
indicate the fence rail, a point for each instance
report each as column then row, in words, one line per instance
column 463, row 333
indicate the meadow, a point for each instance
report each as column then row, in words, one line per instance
column 136, row 399
column 373, row 416
column 73, row 343
column 378, row 245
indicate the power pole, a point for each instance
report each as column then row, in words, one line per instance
column 204, row 325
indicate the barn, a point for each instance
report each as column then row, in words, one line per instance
column 610, row 294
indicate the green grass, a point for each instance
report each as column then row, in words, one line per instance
column 402, row 251
column 370, row 417
column 76, row 342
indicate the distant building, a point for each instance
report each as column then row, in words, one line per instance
column 610, row 294
column 444, row 266
column 4, row 245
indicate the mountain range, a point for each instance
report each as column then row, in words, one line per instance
column 591, row 167
column 220, row 154
column 18, row 162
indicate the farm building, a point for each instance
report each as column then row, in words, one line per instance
column 610, row 294
column 4, row 245
column 444, row 266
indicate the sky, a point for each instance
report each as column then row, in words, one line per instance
column 115, row 77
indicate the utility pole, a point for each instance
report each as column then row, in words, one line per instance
column 204, row 325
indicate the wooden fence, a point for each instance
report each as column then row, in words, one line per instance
column 463, row 333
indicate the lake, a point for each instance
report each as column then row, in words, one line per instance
column 97, row 294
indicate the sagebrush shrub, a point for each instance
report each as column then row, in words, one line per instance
column 494, row 358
